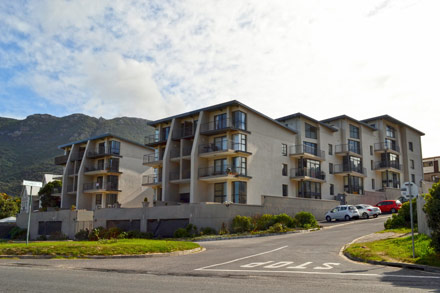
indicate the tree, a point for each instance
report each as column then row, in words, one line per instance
column 432, row 210
column 46, row 197
column 9, row 205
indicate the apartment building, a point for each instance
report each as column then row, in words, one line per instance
column 36, row 203
column 230, row 152
column 103, row 171
column 431, row 171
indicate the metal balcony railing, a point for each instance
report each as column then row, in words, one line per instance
column 109, row 186
column 223, row 170
column 102, row 151
column 151, row 179
column 61, row 160
column 354, row 190
column 342, row 168
column 384, row 146
column 344, row 148
column 223, row 146
column 151, row 158
column 309, row 194
column 222, row 125
column 155, row 139
column 389, row 164
column 307, row 172
column 300, row 149
column 101, row 168
column 184, row 132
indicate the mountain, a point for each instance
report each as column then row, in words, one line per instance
column 28, row 146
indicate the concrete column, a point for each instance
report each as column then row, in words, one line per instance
column 81, row 201
column 166, row 165
column 195, row 161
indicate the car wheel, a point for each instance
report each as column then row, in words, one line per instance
column 365, row 215
column 375, row 215
column 328, row 219
column 347, row 217
column 393, row 211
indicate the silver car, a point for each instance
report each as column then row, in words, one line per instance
column 342, row 212
column 366, row 211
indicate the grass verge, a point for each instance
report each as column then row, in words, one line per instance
column 397, row 230
column 397, row 250
column 92, row 248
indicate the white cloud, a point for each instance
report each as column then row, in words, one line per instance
column 157, row 58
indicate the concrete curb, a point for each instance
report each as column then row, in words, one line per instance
column 255, row 236
column 174, row 253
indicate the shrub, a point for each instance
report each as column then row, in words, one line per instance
column 96, row 234
column 57, row 236
column 181, row 233
column 285, row 220
column 306, row 220
column 42, row 238
column 17, row 233
column 277, row 228
column 122, row 235
column 208, row 231
column 264, row 222
column 432, row 210
column 111, row 233
column 139, row 235
column 82, row 234
column 223, row 230
column 241, row 224
column 403, row 218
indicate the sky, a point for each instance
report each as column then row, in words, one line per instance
column 153, row 59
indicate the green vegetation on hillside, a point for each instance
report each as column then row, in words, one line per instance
column 28, row 147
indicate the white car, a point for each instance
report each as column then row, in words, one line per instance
column 366, row 211
column 342, row 212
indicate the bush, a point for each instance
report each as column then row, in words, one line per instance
column 111, row 233
column 432, row 210
column 223, row 230
column 403, row 218
column 82, row 234
column 139, row 235
column 17, row 233
column 208, row 231
column 189, row 231
column 57, row 236
column 306, row 220
column 264, row 222
column 241, row 224
column 285, row 220
column 277, row 228
column 96, row 234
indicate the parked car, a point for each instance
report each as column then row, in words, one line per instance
column 366, row 211
column 389, row 206
column 342, row 212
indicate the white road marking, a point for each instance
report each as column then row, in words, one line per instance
column 301, row 266
column 255, row 264
column 238, row 259
column 327, row 266
column 279, row 265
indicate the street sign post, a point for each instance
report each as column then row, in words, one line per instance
column 31, row 184
column 410, row 190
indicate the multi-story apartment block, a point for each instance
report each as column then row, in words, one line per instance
column 36, row 203
column 431, row 171
column 103, row 171
column 230, row 152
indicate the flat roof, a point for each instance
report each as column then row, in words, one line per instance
column 102, row 136
column 299, row 115
column 394, row 120
column 431, row 158
column 349, row 118
column 215, row 107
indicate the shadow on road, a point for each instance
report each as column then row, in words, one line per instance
column 413, row 279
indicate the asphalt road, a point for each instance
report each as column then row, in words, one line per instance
column 309, row 262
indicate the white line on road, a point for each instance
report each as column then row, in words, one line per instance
column 238, row 259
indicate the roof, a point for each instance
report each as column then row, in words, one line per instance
column 299, row 115
column 27, row 190
column 51, row 177
column 214, row 107
column 102, row 136
column 431, row 158
column 392, row 119
column 349, row 118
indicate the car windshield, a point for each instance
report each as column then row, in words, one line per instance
column 359, row 207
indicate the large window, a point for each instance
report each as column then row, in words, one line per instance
column 354, row 132
column 390, row 179
column 220, row 143
column 220, row 121
column 239, row 165
column 353, row 184
column 239, row 120
column 115, row 147
column 309, row 189
column 391, row 132
column 220, row 192
column 285, row 190
column 311, row 131
column 113, row 164
column 98, row 200
column 284, row 170
column 389, row 143
column 239, row 192
column 239, row 142
column 354, row 146
column 165, row 133
column 112, row 182
column 352, row 163
column 111, row 200
column 284, row 149
column 220, row 166
column 310, row 148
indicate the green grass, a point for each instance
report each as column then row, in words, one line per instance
column 88, row 248
column 397, row 250
column 398, row 230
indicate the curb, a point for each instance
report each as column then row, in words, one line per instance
column 174, row 253
column 255, row 236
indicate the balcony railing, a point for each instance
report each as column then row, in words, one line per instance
column 155, row 139
column 342, row 168
column 384, row 146
column 109, row 186
column 344, row 148
column 224, row 146
column 185, row 132
column 220, row 198
column 307, row 172
column 101, row 168
column 309, row 194
column 354, row 190
column 389, row 164
column 224, row 170
column 103, row 152
column 152, row 158
column 222, row 125
column 300, row 149
column 151, row 179
column 61, row 160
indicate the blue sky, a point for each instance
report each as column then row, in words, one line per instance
column 150, row 59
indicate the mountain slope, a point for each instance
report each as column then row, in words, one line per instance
column 28, row 147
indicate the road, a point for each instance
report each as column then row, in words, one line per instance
column 302, row 262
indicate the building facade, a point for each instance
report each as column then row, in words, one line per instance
column 104, row 171
column 232, row 153
column 431, row 171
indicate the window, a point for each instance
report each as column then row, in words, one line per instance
column 311, row 131
column 413, row 178
column 115, row 147
column 98, row 199
column 112, row 182
column 310, row 148
column 330, row 149
column 354, row 132
column 332, row 189
column 412, row 164
column 284, row 149
column 284, row 172
column 373, row 125
column 371, row 150
column 113, row 164
column 330, row 168
column 353, row 184
column 428, row 164
column 101, row 148
column 285, row 192
column 100, row 164
column 239, row 142
column 351, row 163
column 391, row 132
column 308, row 189
column 220, row 121
column 220, row 144
column 373, row 184
column 390, row 144
column 390, row 179
column 165, row 133
column 220, row 167
column 410, row 146
column 239, row 165
column 239, row 192
column 220, row 192
column 354, row 146
column 239, row 120
column 372, row 165
column 111, row 199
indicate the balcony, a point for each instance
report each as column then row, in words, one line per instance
column 152, row 180
column 299, row 174
column 309, row 194
column 103, row 152
column 95, row 170
column 390, row 165
column 222, row 149
column 307, row 152
column 354, row 190
column 153, row 160
column 155, row 140
column 100, row 187
column 381, row 147
column 175, row 176
column 349, row 169
column 185, row 132
column 61, row 160
column 221, row 126
column 78, row 156
column 346, row 149
column 214, row 174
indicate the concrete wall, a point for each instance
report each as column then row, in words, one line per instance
column 422, row 221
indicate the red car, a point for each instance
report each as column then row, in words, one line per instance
column 387, row 206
